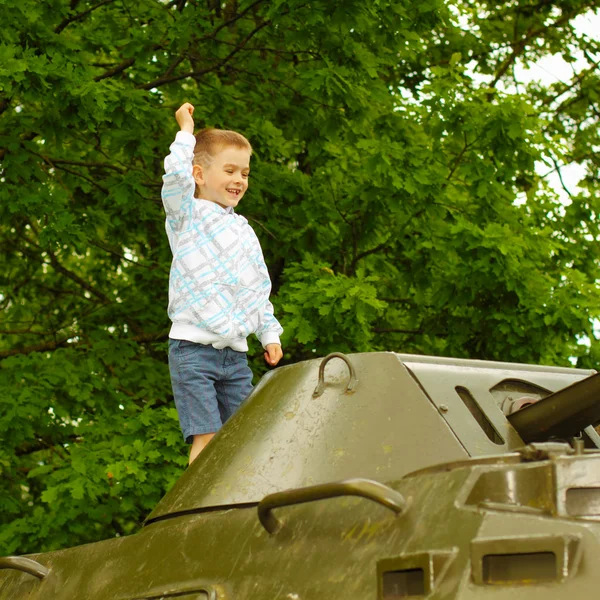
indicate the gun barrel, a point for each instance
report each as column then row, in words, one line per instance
column 562, row 414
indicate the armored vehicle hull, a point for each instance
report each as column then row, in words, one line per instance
column 391, row 476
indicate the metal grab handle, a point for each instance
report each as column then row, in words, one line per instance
column 351, row 382
column 27, row 565
column 365, row 488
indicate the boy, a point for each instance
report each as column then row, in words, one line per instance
column 219, row 285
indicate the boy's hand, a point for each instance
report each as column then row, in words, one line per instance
column 273, row 354
column 184, row 116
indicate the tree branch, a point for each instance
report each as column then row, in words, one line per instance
column 582, row 75
column 88, row 179
column 42, row 347
column 362, row 255
column 78, row 163
column 164, row 80
column 279, row 82
column 518, row 47
column 263, row 227
column 45, row 444
column 81, row 15
column 25, row 138
column 174, row 65
column 398, row 301
column 394, row 330
column 116, row 70
column 459, row 157
column 78, row 280
column 560, row 177
column 161, row 336
column 105, row 248
column 4, row 104
column 231, row 21
column 25, row 332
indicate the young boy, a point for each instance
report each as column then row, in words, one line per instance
column 219, row 285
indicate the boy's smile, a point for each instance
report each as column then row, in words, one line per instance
column 225, row 180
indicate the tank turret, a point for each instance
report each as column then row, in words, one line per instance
column 377, row 416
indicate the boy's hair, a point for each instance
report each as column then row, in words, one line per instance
column 211, row 141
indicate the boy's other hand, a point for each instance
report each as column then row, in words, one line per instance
column 273, row 354
column 184, row 116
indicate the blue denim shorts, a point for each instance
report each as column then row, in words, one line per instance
column 208, row 385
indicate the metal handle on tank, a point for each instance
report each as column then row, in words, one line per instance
column 27, row 565
column 352, row 381
column 365, row 488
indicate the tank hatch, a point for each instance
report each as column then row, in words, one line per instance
column 288, row 434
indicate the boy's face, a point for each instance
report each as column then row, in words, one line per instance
column 225, row 180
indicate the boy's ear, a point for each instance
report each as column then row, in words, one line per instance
column 198, row 174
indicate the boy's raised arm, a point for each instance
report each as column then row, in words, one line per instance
column 185, row 117
column 178, row 182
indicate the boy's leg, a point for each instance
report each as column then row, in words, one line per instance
column 194, row 371
column 198, row 444
column 235, row 385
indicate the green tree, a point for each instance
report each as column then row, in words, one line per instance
column 394, row 189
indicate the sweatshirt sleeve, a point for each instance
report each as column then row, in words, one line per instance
column 270, row 328
column 178, row 182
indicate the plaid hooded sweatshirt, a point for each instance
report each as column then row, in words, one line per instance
column 219, row 285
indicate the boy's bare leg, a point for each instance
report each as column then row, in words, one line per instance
column 198, row 444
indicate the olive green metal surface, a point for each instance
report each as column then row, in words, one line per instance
column 283, row 437
column 273, row 509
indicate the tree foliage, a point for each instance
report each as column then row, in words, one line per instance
column 398, row 188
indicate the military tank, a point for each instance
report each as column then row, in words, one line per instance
column 378, row 476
